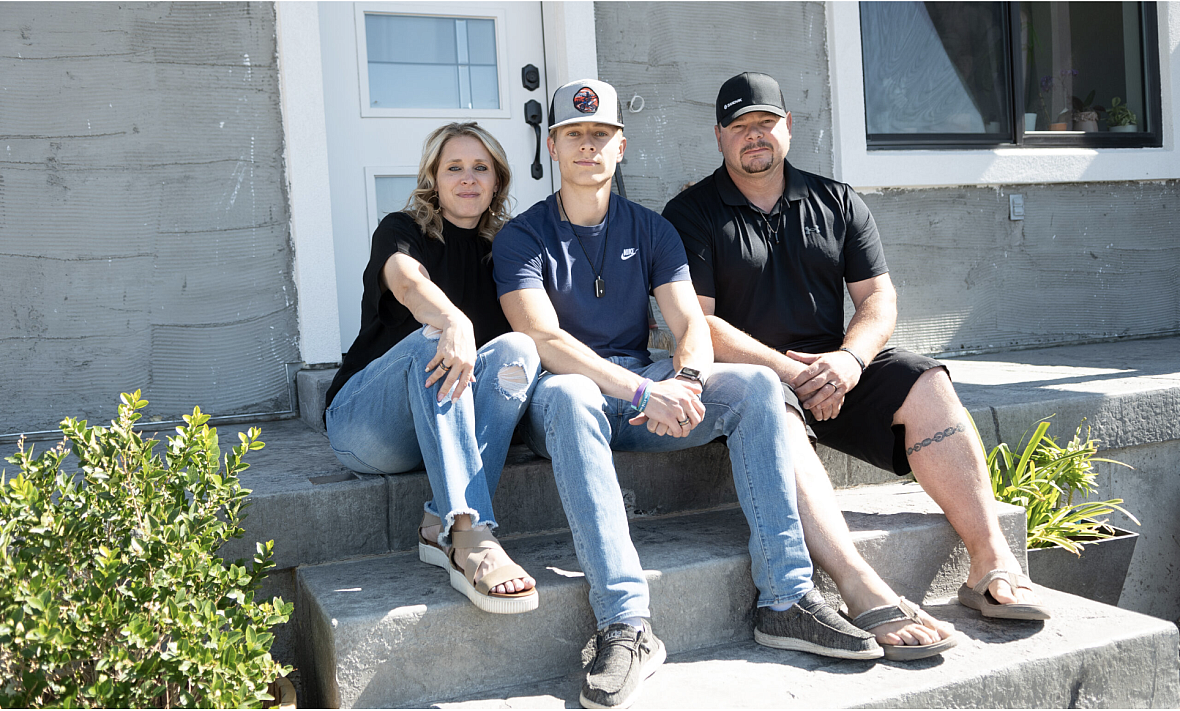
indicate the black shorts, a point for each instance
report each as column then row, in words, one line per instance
column 864, row 428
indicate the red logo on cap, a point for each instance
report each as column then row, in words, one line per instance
column 586, row 100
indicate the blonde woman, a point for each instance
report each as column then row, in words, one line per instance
column 435, row 376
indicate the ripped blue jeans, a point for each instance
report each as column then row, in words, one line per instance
column 385, row 421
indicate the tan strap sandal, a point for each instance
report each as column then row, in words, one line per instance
column 430, row 551
column 980, row 598
column 480, row 544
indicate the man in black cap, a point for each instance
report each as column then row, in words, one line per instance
column 771, row 249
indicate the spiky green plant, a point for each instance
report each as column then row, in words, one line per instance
column 1044, row 479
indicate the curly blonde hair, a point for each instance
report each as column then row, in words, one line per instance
column 423, row 204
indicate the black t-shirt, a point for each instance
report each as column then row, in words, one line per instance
column 462, row 268
column 779, row 276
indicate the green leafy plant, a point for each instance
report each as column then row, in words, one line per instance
column 111, row 590
column 1044, row 479
column 1119, row 114
column 1086, row 105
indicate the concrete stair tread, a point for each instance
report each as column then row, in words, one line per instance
column 399, row 581
column 368, row 621
column 1088, row 654
column 666, row 543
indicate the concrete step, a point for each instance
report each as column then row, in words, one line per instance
column 317, row 511
column 1088, row 656
column 374, row 631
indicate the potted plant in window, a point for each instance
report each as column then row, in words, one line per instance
column 1085, row 113
column 1120, row 118
column 1070, row 547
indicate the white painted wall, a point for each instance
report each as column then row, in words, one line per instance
column 570, row 47
column 306, row 154
column 867, row 170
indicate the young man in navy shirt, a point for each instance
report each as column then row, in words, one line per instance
column 574, row 273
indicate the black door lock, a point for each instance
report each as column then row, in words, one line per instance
column 533, row 117
column 530, row 76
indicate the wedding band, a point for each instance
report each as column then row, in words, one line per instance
column 682, row 423
column 444, row 366
column 833, row 386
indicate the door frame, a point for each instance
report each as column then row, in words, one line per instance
column 570, row 53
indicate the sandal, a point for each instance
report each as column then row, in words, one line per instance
column 430, row 551
column 980, row 598
column 903, row 609
column 481, row 593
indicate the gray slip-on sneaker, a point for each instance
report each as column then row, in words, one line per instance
column 811, row 626
column 624, row 658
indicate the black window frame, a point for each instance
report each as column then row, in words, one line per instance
column 1149, row 29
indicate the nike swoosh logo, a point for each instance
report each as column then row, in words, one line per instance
column 628, row 253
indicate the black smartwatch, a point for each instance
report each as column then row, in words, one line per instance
column 690, row 374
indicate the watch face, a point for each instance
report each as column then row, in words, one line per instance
column 690, row 373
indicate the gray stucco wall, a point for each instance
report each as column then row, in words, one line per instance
column 143, row 219
column 676, row 56
column 1090, row 261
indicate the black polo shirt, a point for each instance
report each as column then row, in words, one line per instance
column 779, row 276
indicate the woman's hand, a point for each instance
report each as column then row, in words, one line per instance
column 454, row 360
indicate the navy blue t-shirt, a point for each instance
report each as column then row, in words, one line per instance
column 538, row 250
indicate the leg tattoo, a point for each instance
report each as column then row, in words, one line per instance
column 938, row 437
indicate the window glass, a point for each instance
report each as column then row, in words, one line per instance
column 935, row 68
column 1082, row 67
column 431, row 62
column 393, row 191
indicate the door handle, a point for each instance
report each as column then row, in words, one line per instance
column 533, row 116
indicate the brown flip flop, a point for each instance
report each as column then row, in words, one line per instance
column 979, row 598
column 902, row 610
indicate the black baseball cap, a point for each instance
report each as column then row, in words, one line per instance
column 749, row 91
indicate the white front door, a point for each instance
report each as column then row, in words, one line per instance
column 395, row 71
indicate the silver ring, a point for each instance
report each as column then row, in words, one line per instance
column 833, row 386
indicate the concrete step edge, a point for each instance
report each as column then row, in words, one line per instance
column 407, row 610
column 1088, row 655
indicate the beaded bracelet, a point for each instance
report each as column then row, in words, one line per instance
column 859, row 362
column 640, row 397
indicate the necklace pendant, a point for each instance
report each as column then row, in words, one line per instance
column 599, row 287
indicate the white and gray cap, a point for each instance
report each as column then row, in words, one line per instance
column 585, row 100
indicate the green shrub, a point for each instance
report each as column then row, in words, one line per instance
column 1044, row 479
column 111, row 590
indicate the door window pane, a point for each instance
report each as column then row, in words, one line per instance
column 393, row 191
column 935, row 68
column 431, row 62
column 1082, row 67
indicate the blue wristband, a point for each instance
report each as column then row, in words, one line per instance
column 643, row 402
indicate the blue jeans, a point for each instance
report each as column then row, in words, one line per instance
column 384, row 421
column 572, row 423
